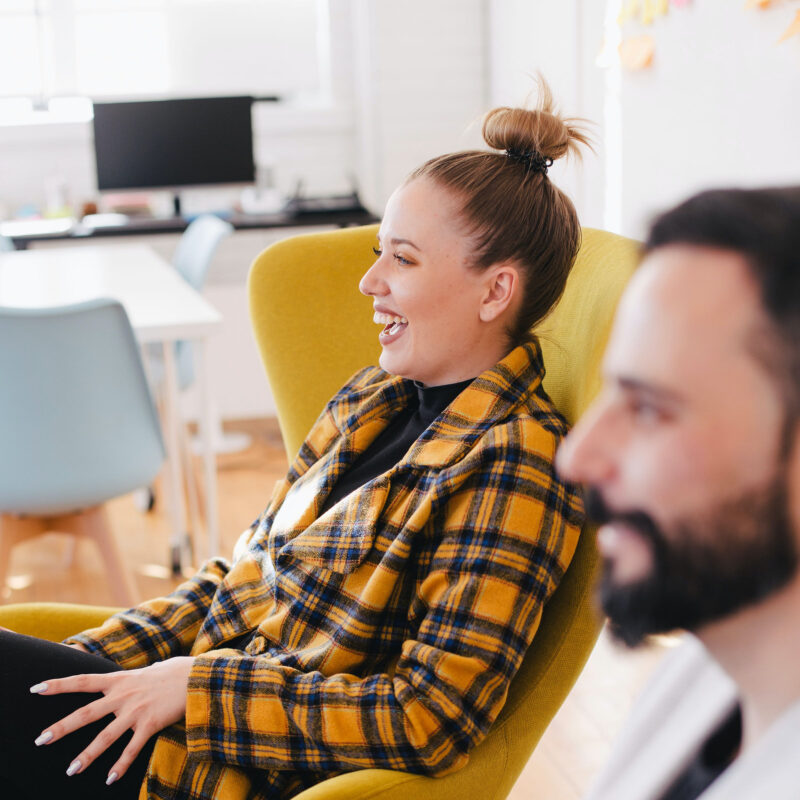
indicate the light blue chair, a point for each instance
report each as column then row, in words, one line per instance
column 77, row 426
column 6, row 244
column 192, row 260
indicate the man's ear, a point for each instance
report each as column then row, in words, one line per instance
column 502, row 287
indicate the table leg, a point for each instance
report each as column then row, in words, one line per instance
column 209, row 422
column 179, row 536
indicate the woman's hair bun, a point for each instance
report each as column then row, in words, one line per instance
column 539, row 130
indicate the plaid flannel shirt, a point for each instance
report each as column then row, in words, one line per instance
column 384, row 632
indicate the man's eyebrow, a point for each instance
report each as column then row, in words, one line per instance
column 651, row 390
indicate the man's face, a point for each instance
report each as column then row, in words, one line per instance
column 686, row 454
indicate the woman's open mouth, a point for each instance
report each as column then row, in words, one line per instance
column 394, row 327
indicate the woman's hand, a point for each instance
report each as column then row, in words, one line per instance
column 143, row 700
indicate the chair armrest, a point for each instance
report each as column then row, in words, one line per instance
column 370, row 783
column 52, row 621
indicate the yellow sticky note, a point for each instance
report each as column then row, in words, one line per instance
column 627, row 11
column 648, row 12
column 792, row 30
column 637, row 52
column 662, row 7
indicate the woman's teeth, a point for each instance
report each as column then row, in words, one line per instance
column 386, row 319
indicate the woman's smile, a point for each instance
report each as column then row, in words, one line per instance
column 394, row 325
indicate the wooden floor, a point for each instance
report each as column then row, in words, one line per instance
column 572, row 750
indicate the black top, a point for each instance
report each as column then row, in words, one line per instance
column 713, row 758
column 394, row 441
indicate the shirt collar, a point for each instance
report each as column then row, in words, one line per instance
column 488, row 399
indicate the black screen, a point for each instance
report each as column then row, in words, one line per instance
column 167, row 143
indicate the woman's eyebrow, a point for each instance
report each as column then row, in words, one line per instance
column 403, row 241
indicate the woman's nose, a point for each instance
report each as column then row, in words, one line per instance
column 371, row 283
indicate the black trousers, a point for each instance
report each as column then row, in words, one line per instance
column 28, row 772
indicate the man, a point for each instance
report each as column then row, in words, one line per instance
column 691, row 463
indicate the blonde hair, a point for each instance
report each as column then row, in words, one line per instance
column 510, row 206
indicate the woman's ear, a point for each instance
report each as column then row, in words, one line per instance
column 502, row 288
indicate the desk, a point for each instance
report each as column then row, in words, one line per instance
column 162, row 308
column 137, row 226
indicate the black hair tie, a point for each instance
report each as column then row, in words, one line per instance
column 532, row 160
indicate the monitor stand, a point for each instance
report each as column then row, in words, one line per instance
column 176, row 204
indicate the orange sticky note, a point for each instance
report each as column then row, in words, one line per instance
column 637, row 52
column 757, row 3
column 792, row 30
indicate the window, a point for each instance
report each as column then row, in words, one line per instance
column 127, row 49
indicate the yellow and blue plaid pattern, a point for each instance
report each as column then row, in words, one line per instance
column 384, row 632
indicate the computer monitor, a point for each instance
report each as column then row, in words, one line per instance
column 168, row 144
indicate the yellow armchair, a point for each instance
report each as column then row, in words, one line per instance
column 314, row 330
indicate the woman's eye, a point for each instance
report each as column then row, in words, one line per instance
column 401, row 260
column 377, row 252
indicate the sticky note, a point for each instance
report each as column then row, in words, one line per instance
column 792, row 30
column 636, row 53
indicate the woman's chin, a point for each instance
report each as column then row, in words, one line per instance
column 389, row 362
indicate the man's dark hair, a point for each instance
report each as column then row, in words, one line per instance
column 763, row 226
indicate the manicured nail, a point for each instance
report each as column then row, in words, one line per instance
column 37, row 688
column 44, row 738
column 73, row 768
column 111, row 778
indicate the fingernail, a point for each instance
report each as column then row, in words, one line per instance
column 111, row 778
column 73, row 768
column 43, row 738
column 39, row 687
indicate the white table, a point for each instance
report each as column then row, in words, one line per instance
column 161, row 306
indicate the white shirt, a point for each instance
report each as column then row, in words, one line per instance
column 688, row 698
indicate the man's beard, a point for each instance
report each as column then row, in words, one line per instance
column 709, row 566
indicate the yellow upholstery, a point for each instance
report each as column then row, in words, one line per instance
column 52, row 621
column 314, row 330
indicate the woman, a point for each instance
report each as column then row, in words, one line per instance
column 375, row 613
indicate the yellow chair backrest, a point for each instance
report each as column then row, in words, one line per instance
column 314, row 329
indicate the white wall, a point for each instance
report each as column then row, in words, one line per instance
column 421, row 78
column 720, row 106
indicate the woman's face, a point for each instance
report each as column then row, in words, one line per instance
column 431, row 303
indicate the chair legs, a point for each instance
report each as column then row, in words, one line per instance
column 14, row 530
column 91, row 523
